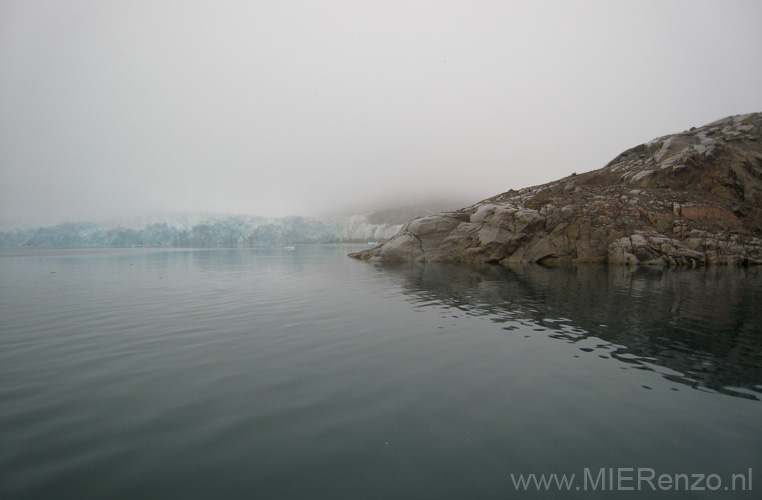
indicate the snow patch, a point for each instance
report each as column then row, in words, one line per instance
column 641, row 175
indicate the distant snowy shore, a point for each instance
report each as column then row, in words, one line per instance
column 198, row 231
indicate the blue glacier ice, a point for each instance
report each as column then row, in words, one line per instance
column 199, row 231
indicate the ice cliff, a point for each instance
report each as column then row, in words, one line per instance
column 200, row 231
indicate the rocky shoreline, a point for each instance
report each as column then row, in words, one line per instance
column 688, row 199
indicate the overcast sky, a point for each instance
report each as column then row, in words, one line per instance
column 111, row 108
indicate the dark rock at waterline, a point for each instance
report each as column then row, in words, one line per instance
column 687, row 199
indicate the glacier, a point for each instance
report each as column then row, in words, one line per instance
column 199, row 231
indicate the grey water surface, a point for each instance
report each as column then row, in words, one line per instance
column 263, row 373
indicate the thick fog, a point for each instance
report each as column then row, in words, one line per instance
column 284, row 107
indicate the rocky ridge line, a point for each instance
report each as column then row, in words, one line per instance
column 687, row 199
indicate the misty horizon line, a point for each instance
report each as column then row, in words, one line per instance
column 133, row 217
column 199, row 216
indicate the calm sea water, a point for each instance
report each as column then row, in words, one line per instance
column 259, row 373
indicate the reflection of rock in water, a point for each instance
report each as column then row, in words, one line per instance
column 701, row 328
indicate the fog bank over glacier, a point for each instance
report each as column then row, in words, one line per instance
column 201, row 231
column 333, row 107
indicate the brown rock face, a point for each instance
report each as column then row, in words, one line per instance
column 693, row 199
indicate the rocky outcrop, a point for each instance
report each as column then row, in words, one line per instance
column 688, row 199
